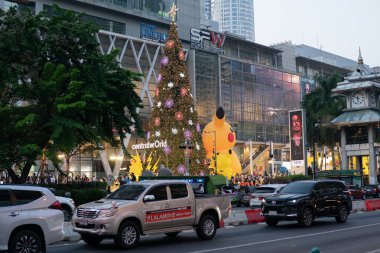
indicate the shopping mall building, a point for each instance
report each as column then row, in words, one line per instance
column 247, row 79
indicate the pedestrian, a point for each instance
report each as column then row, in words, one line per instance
column 133, row 177
column 200, row 190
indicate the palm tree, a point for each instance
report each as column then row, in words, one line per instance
column 321, row 107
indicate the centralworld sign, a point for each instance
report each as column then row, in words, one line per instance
column 149, row 145
column 205, row 40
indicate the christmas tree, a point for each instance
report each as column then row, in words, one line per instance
column 174, row 118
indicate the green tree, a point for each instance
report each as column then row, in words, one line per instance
column 57, row 92
column 174, row 117
column 322, row 107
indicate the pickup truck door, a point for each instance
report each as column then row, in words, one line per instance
column 156, row 214
column 182, row 204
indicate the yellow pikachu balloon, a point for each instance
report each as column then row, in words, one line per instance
column 136, row 165
column 219, row 134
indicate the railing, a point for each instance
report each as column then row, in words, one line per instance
column 255, row 154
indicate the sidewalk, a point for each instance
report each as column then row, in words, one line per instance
column 245, row 216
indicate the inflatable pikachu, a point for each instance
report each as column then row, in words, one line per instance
column 218, row 133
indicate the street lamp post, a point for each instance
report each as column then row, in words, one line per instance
column 250, row 157
column 187, row 147
column 214, row 156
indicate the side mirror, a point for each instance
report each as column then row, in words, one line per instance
column 317, row 192
column 148, row 198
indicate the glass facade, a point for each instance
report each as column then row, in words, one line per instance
column 159, row 8
column 207, row 88
column 257, row 100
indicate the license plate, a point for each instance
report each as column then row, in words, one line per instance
column 83, row 222
column 272, row 212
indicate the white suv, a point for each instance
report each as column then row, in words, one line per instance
column 30, row 218
column 262, row 192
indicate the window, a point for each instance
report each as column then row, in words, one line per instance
column 24, row 197
column 128, row 192
column 5, row 198
column 159, row 193
column 178, row 191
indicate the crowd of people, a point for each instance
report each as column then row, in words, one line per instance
column 250, row 180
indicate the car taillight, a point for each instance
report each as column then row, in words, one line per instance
column 261, row 198
column 56, row 205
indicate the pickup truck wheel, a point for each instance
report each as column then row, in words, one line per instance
column 172, row 234
column 92, row 240
column 342, row 214
column 128, row 235
column 25, row 241
column 206, row 229
column 271, row 221
column 306, row 218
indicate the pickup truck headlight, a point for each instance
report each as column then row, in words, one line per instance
column 107, row 212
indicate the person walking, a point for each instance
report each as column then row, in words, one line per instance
column 133, row 177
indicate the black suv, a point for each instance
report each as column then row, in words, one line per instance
column 305, row 200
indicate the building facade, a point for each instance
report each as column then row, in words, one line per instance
column 246, row 78
column 235, row 16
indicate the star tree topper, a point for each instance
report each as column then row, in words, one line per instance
column 173, row 12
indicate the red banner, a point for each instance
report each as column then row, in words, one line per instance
column 168, row 214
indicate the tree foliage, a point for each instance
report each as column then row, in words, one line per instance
column 57, row 91
column 321, row 108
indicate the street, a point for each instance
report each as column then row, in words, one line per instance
column 359, row 234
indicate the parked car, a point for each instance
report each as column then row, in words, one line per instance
column 244, row 195
column 304, row 201
column 263, row 191
column 356, row 192
column 230, row 190
column 372, row 190
column 150, row 207
column 31, row 217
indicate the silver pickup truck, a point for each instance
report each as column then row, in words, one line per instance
column 150, row 207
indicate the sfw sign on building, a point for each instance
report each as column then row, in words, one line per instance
column 206, row 40
column 149, row 145
column 149, row 31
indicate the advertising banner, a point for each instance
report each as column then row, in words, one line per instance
column 297, row 136
column 168, row 214
column 307, row 85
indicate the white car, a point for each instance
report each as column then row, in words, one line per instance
column 30, row 217
column 264, row 191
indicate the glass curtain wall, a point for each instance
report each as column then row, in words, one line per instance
column 159, row 8
column 207, row 92
column 257, row 100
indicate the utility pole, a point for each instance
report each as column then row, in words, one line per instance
column 250, row 157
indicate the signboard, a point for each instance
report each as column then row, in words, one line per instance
column 205, row 40
column 149, row 145
column 149, row 31
column 297, row 136
column 168, row 214
column 307, row 86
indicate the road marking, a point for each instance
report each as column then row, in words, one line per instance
column 374, row 251
column 284, row 239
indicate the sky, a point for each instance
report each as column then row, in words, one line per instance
column 336, row 26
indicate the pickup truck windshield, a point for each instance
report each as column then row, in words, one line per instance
column 128, row 192
column 298, row 187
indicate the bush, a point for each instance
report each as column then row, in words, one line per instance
column 288, row 179
column 81, row 192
